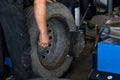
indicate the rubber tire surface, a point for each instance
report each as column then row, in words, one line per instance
column 61, row 13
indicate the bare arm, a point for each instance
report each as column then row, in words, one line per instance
column 40, row 16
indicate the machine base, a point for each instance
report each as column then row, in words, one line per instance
column 96, row 75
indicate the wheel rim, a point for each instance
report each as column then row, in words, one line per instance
column 47, row 56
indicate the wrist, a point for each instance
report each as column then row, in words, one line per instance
column 43, row 32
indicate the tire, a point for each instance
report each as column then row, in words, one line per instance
column 54, row 60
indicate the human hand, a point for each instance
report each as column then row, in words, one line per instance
column 43, row 40
column 51, row 1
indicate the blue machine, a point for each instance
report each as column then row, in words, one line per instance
column 106, row 61
column 109, row 56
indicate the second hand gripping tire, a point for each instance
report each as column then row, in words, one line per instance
column 55, row 60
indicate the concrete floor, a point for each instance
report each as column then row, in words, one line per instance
column 82, row 66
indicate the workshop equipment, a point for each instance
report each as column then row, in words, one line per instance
column 106, row 64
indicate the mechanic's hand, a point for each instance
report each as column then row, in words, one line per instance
column 43, row 40
column 51, row 1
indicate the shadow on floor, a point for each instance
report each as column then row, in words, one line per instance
column 81, row 67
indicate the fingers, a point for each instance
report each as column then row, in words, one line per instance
column 43, row 44
column 44, row 40
column 51, row 1
column 54, row 0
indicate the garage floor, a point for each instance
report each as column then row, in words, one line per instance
column 81, row 67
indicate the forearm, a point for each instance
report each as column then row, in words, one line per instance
column 40, row 14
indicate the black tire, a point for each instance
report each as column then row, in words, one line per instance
column 54, row 60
